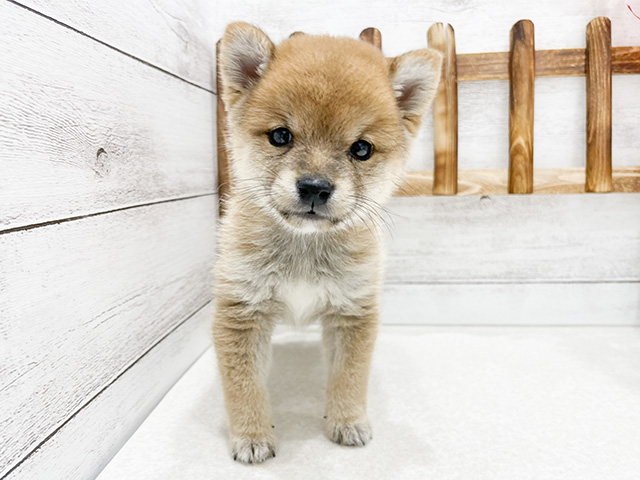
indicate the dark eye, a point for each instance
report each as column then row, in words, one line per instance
column 361, row 150
column 280, row 137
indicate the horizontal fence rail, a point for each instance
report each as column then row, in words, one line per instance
column 520, row 65
column 549, row 63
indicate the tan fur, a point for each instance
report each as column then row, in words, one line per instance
column 329, row 92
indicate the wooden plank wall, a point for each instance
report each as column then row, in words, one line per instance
column 167, row 35
column 107, row 223
column 514, row 260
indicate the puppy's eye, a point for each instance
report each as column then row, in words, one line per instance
column 280, row 137
column 361, row 150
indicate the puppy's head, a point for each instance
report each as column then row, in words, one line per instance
column 319, row 127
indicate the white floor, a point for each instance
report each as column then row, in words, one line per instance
column 445, row 403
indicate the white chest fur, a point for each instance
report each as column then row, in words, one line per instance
column 303, row 301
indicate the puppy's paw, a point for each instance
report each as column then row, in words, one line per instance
column 252, row 450
column 353, row 434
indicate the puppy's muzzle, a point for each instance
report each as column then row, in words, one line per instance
column 314, row 191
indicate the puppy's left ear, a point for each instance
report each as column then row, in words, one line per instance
column 245, row 52
column 415, row 76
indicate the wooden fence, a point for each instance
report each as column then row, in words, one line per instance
column 520, row 66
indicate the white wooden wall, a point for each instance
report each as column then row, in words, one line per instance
column 107, row 222
column 514, row 260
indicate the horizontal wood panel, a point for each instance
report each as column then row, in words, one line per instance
column 86, row 129
column 512, row 304
column 514, row 238
column 170, row 34
column 82, row 299
column 85, row 444
column 549, row 63
column 545, row 180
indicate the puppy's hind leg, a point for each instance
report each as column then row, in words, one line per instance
column 349, row 342
column 242, row 344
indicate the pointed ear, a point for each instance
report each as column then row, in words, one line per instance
column 415, row 76
column 245, row 52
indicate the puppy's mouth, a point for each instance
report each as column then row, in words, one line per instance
column 311, row 215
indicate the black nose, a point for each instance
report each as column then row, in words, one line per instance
column 314, row 190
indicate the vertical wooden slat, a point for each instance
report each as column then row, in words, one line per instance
column 373, row 36
column 224, row 177
column 598, row 73
column 521, row 100
column 445, row 113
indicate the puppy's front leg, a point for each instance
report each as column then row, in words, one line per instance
column 242, row 344
column 349, row 342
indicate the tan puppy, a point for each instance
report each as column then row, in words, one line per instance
column 318, row 133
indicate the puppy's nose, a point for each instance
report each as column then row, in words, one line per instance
column 314, row 190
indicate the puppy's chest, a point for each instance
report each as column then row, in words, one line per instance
column 304, row 301
column 308, row 283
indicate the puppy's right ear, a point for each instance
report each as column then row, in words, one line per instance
column 245, row 52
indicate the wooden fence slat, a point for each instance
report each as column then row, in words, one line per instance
column 598, row 74
column 549, row 63
column 521, row 102
column 224, row 176
column 445, row 113
column 373, row 36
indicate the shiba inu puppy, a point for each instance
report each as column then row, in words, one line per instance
column 318, row 133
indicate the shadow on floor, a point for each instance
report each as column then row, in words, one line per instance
column 297, row 390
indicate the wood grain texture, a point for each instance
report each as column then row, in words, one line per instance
column 86, row 129
column 514, row 239
column 224, row 169
column 567, row 62
column 82, row 299
column 373, row 36
column 483, row 66
column 86, row 442
column 495, row 182
column 549, row 63
column 564, row 62
column 611, row 304
column 445, row 113
column 521, row 104
column 598, row 73
column 625, row 60
column 172, row 35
